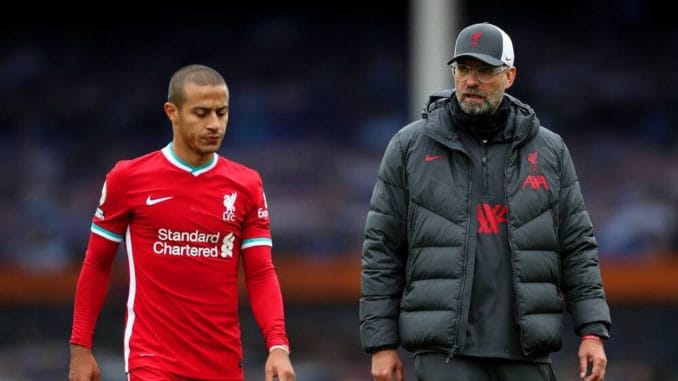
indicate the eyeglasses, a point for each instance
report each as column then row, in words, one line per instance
column 485, row 73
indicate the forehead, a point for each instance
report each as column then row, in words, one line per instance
column 213, row 94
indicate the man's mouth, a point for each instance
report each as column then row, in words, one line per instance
column 473, row 96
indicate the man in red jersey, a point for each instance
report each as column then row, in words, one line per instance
column 188, row 217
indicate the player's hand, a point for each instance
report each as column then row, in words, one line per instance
column 278, row 365
column 83, row 366
column 386, row 365
column 592, row 352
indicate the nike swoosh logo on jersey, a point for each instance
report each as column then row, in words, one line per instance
column 152, row 201
column 433, row 157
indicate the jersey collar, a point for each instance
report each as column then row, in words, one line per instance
column 172, row 157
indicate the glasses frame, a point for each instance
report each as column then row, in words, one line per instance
column 494, row 69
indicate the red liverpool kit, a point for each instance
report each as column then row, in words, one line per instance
column 185, row 230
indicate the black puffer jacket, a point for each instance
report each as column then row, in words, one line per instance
column 418, row 262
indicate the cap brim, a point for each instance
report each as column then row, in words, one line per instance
column 483, row 57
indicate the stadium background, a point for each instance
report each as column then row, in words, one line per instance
column 316, row 94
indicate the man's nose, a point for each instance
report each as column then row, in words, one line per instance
column 472, row 78
column 213, row 121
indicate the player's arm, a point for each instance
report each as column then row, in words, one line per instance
column 263, row 288
column 265, row 298
column 90, row 295
column 261, row 280
column 91, row 289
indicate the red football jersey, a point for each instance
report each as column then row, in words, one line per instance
column 184, row 229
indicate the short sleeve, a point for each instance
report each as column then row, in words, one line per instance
column 256, row 231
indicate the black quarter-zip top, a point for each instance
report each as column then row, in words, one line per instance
column 491, row 328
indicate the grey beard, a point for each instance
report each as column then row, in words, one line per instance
column 488, row 107
column 475, row 109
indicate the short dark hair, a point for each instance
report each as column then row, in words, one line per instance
column 199, row 74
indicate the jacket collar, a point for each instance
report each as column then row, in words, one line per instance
column 439, row 125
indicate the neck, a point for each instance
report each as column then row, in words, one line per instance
column 190, row 157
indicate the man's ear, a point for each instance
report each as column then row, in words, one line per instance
column 510, row 76
column 171, row 111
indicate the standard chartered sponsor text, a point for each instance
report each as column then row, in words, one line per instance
column 168, row 243
column 194, row 236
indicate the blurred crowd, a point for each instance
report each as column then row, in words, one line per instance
column 314, row 103
column 307, row 110
column 315, row 97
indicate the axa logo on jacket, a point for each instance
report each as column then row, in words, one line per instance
column 535, row 179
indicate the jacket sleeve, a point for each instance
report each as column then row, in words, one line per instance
column 384, row 252
column 582, row 283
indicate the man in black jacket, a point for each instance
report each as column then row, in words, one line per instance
column 477, row 237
